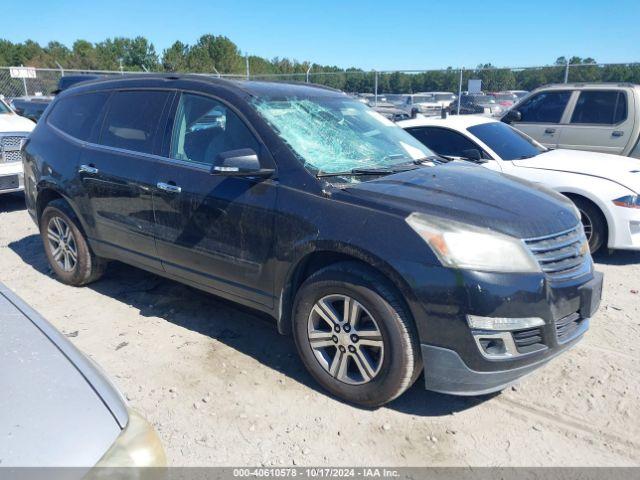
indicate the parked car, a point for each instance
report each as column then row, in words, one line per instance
column 380, row 259
column 476, row 103
column 13, row 130
column 518, row 93
column 415, row 103
column 601, row 117
column 57, row 408
column 603, row 187
column 31, row 107
column 67, row 81
column 445, row 99
column 391, row 111
column 505, row 99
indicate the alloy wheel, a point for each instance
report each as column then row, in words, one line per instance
column 62, row 244
column 587, row 225
column 345, row 339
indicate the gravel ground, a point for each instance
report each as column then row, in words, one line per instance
column 223, row 388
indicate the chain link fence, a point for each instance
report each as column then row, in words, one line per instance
column 377, row 82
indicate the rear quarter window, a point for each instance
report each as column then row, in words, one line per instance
column 132, row 119
column 78, row 115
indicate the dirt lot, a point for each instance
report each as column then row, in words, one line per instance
column 223, row 388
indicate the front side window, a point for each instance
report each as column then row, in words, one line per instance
column 507, row 142
column 545, row 107
column 132, row 119
column 606, row 107
column 205, row 127
column 78, row 115
column 444, row 141
column 336, row 134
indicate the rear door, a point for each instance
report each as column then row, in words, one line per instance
column 118, row 172
column 600, row 121
column 213, row 230
column 542, row 114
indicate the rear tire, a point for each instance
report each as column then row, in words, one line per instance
column 593, row 222
column 66, row 247
column 368, row 356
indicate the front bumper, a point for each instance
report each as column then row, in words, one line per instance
column 446, row 372
column 453, row 359
column 11, row 177
column 625, row 234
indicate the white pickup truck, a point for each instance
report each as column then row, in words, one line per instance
column 602, row 117
column 13, row 129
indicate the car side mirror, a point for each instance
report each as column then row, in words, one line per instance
column 472, row 154
column 243, row 162
column 512, row 116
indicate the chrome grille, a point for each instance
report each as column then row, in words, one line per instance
column 10, row 148
column 562, row 255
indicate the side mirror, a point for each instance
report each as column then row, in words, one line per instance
column 239, row 163
column 512, row 116
column 472, row 154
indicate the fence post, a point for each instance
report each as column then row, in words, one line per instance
column 246, row 59
column 308, row 70
column 566, row 72
column 375, row 87
column 460, row 90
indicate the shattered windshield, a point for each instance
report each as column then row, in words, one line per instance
column 337, row 134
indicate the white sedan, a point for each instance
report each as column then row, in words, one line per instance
column 604, row 187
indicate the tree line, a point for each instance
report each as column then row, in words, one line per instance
column 218, row 54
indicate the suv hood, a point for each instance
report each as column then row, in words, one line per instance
column 470, row 194
column 622, row 170
column 10, row 122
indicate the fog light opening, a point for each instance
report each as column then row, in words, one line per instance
column 493, row 346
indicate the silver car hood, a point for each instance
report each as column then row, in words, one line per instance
column 50, row 413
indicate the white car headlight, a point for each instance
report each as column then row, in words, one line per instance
column 458, row 245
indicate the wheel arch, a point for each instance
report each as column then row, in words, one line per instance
column 321, row 256
column 48, row 192
column 597, row 203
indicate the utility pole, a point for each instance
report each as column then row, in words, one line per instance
column 375, row 87
column 566, row 72
column 121, row 69
column 460, row 89
column 246, row 58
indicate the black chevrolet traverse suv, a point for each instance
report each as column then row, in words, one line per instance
column 382, row 259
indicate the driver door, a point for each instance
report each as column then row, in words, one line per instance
column 216, row 231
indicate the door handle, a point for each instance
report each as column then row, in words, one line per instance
column 617, row 133
column 88, row 169
column 168, row 187
column 549, row 130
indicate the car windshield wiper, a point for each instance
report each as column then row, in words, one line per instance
column 359, row 171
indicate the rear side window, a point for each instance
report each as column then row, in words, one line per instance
column 78, row 115
column 443, row 141
column 545, row 107
column 132, row 119
column 606, row 107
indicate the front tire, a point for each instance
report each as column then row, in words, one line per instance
column 354, row 335
column 66, row 248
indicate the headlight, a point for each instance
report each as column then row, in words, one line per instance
column 630, row 201
column 137, row 446
column 458, row 245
